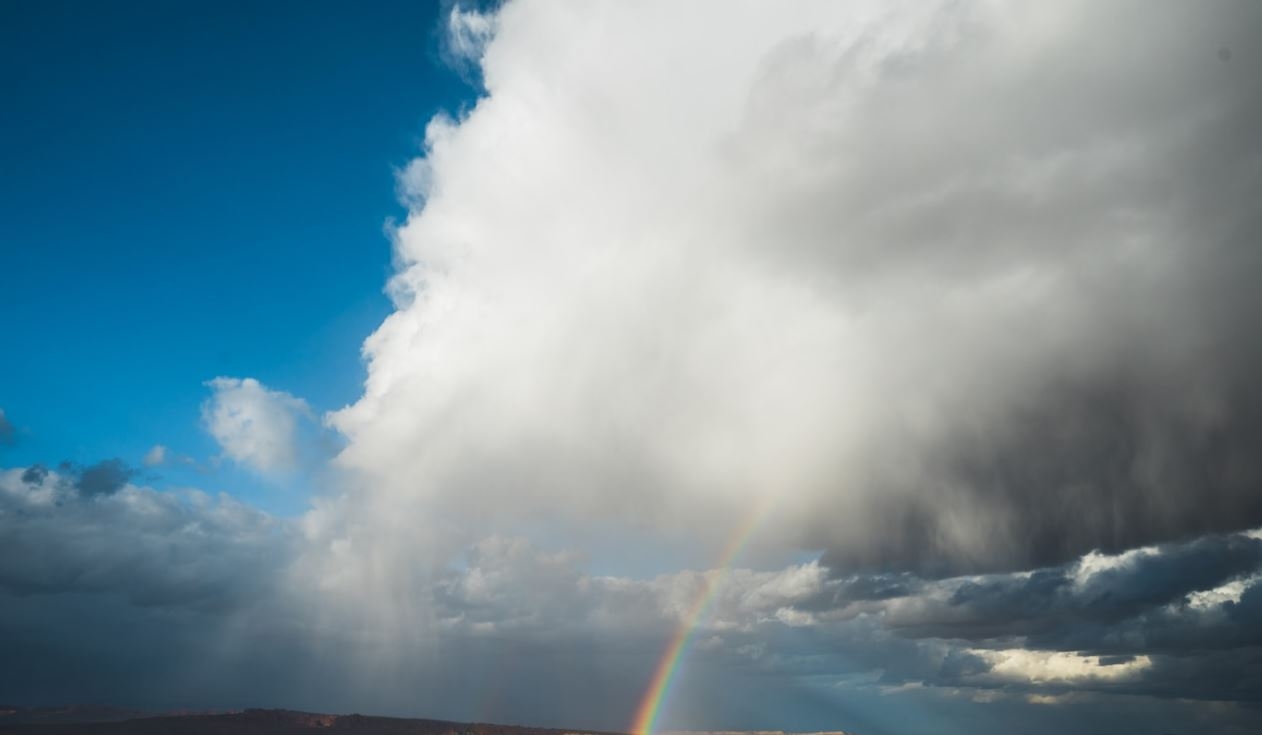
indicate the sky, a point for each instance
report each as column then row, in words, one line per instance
column 879, row 367
column 198, row 191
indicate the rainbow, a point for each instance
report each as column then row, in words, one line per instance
column 659, row 688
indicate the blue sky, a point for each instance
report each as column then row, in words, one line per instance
column 198, row 190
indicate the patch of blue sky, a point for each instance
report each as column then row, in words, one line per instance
column 188, row 192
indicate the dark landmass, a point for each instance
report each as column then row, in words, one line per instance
column 74, row 713
column 97, row 720
column 103, row 720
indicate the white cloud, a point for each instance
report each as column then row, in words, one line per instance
column 385, row 615
column 468, row 33
column 1094, row 563
column 926, row 274
column 155, row 456
column 254, row 425
column 1230, row 592
column 887, row 262
column 157, row 549
column 1041, row 667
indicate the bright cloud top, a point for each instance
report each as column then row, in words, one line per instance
column 959, row 284
column 254, row 425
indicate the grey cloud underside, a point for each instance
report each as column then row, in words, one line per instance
column 1144, row 605
column 1138, row 610
column 1100, row 468
column 1048, row 602
column 105, row 582
column 104, row 478
column 97, row 534
column 34, row 475
column 969, row 288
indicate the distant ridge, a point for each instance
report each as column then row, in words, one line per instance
column 67, row 714
column 754, row 732
column 102, row 720
column 96, row 720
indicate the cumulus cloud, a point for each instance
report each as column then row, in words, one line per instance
column 1095, row 590
column 95, row 533
column 1165, row 621
column 1144, row 622
column 254, row 425
column 1130, row 624
column 967, row 286
column 104, row 478
column 468, row 31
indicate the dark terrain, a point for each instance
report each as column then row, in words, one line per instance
column 109, row 721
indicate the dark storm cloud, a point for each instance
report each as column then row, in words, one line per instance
column 1107, row 469
column 1170, row 650
column 1174, row 621
column 968, row 288
column 93, row 534
column 1047, row 603
column 1177, row 629
column 104, row 478
column 1223, row 675
column 35, row 474
column 1140, row 421
column 877, row 587
column 839, row 593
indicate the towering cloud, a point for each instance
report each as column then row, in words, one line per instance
column 255, row 425
column 967, row 286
